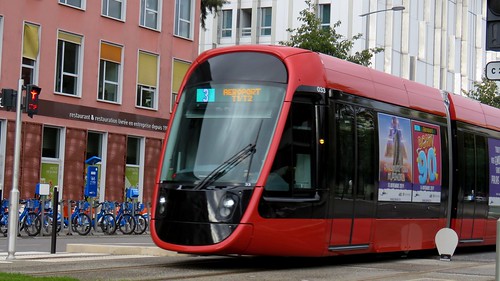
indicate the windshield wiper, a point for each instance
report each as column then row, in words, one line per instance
column 226, row 166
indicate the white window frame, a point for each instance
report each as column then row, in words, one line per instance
column 265, row 28
column 103, row 150
column 245, row 22
column 226, row 24
column 152, row 90
column 142, row 151
column 321, row 15
column 69, row 4
column 178, row 31
column 145, row 11
column 110, row 82
column 32, row 67
column 105, row 11
column 60, row 156
column 78, row 69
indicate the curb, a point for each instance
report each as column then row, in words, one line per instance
column 118, row 250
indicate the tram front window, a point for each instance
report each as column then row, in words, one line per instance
column 221, row 134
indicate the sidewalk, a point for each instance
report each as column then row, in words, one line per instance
column 127, row 249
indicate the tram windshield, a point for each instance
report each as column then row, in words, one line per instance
column 221, row 134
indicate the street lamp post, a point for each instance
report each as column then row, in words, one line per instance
column 367, row 15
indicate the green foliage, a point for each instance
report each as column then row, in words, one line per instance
column 21, row 277
column 209, row 6
column 486, row 92
column 312, row 36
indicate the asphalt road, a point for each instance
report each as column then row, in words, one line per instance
column 43, row 243
column 477, row 264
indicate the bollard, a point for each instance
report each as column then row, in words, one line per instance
column 92, row 225
column 55, row 210
column 42, row 215
column 69, row 219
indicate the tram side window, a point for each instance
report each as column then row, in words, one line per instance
column 482, row 168
column 365, row 135
column 355, row 127
column 292, row 170
column 475, row 163
column 345, row 151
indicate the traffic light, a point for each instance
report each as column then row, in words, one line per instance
column 32, row 96
column 493, row 25
column 8, row 99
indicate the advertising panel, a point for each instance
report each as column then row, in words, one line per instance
column 494, row 156
column 427, row 166
column 395, row 163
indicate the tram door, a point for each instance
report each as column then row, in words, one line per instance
column 473, row 207
column 355, row 165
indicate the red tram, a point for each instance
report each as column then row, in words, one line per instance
column 274, row 150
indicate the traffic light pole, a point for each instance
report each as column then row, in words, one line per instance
column 14, row 193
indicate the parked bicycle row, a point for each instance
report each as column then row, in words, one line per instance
column 77, row 216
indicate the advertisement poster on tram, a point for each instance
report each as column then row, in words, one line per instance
column 494, row 156
column 427, row 164
column 395, row 163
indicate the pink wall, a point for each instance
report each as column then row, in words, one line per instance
column 52, row 17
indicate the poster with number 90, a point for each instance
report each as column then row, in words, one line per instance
column 427, row 167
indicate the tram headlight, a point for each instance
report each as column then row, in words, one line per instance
column 162, row 205
column 227, row 206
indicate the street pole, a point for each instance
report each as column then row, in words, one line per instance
column 367, row 27
column 14, row 193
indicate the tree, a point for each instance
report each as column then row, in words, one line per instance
column 312, row 36
column 486, row 92
column 209, row 6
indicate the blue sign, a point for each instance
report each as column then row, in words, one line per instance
column 92, row 178
column 205, row 95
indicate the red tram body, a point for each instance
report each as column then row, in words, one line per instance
column 281, row 151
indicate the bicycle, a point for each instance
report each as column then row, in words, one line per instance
column 4, row 217
column 141, row 220
column 48, row 217
column 125, row 222
column 28, row 219
column 105, row 219
column 80, row 221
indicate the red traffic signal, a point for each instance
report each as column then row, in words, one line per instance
column 32, row 97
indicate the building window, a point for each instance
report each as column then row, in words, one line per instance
column 227, row 23
column 179, row 70
column 68, row 64
column 109, row 73
column 28, row 71
column 324, row 15
column 133, row 176
column 113, row 8
column 147, row 80
column 74, row 3
column 266, row 15
column 246, row 22
column 183, row 17
column 51, row 144
column 133, row 150
column 150, row 10
column 94, row 144
column 31, row 49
